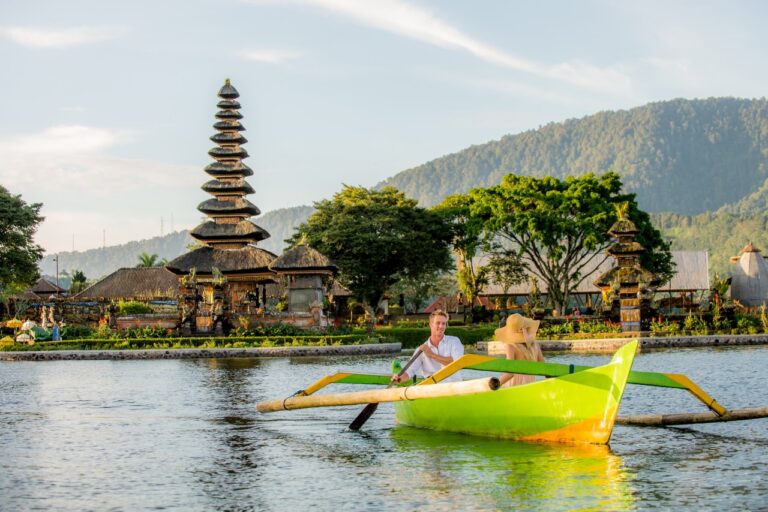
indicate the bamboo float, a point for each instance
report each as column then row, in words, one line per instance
column 381, row 395
column 659, row 420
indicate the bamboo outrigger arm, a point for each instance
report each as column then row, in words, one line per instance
column 691, row 418
column 381, row 395
column 488, row 363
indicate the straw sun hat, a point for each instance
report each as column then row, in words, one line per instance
column 512, row 332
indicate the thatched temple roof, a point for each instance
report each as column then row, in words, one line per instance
column 141, row 283
column 230, row 261
column 44, row 288
column 303, row 257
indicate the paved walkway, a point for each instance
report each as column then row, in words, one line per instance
column 195, row 353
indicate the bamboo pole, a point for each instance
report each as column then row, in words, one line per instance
column 691, row 418
column 382, row 395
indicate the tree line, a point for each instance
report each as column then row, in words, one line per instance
column 545, row 227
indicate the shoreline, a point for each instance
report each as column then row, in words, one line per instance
column 610, row 345
column 595, row 346
column 202, row 353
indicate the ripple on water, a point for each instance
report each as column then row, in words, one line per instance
column 184, row 435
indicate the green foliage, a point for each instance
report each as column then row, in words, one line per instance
column 418, row 290
column 76, row 331
column 19, row 253
column 149, row 260
column 78, row 282
column 748, row 324
column 559, row 228
column 506, row 268
column 376, row 238
column 466, row 239
column 661, row 327
column 557, row 329
column 598, row 327
column 132, row 307
column 695, row 324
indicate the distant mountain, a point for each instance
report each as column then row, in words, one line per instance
column 96, row 263
column 703, row 162
column 682, row 156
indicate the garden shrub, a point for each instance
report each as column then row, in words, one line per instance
column 132, row 307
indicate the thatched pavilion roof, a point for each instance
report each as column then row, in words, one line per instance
column 303, row 257
column 141, row 283
column 229, row 261
column 44, row 288
column 691, row 274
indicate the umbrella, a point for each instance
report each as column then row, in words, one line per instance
column 14, row 323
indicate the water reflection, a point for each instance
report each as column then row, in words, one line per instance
column 505, row 474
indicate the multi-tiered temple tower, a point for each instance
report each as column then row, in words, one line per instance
column 230, row 227
column 229, row 274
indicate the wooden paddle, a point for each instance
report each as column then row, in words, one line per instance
column 371, row 408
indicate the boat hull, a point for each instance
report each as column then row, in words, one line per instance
column 577, row 408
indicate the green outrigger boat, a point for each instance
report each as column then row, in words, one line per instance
column 576, row 404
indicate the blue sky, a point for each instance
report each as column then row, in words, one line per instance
column 107, row 106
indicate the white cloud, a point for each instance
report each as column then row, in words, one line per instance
column 270, row 56
column 61, row 140
column 73, row 158
column 408, row 20
column 37, row 37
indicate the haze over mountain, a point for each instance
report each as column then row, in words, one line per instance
column 701, row 165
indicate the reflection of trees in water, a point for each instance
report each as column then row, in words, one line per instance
column 233, row 459
column 506, row 474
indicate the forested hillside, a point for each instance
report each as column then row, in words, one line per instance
column 682, row 156
column 723, row 232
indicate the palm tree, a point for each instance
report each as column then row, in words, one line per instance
column 147, row 260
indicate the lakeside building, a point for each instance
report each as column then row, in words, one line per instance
column 685, row 290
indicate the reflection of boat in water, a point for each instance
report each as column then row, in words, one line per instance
column 503, row 475
column 577, row 407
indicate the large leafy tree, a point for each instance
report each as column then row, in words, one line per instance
column 416, row 291
column 559, row 228
column 466, row 240
column 19, row 254
column 376, row 237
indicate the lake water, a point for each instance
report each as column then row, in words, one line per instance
column 184, row 435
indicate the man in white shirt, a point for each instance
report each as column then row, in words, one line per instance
column 438, row 351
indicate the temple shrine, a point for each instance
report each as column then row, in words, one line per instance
column 628, row 282
column 228, row 279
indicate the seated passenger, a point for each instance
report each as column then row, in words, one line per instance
column 519, row 336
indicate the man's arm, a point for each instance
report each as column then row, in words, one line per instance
column 443, row 360
column 409, row 372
